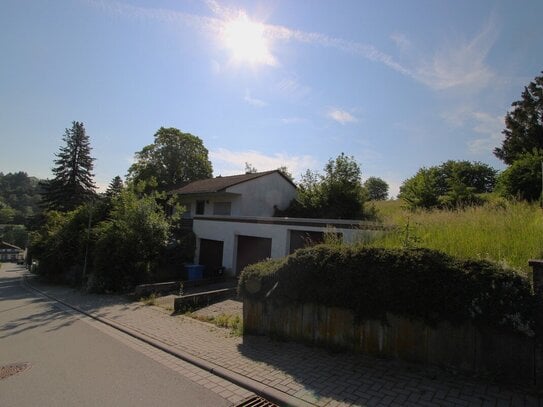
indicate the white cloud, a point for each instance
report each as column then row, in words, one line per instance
column 341, row 116
column 401, row 40
column 485, row 124
column 253, row 101
column 228, row 162
column 292, row 89
column 459, row 65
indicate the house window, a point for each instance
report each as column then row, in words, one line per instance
column 200, row 207
column 222, row 208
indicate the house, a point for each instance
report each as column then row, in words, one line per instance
column 232, row 218
column 239, row 195
column 10, row 253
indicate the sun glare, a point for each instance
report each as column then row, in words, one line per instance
column 246, row 40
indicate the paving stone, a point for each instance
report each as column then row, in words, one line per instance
column 333, row 379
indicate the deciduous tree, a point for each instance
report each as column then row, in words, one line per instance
column 173, row 159
column 377, row 189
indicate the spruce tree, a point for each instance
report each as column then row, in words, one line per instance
column 73, row 182
column 115, row 187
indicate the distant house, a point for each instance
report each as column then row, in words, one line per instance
column 238, row 195
column 232, row 218
column 10, row 253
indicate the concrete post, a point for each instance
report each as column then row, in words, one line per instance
column 537, row 277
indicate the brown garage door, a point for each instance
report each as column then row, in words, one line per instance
column 251, row 250
column 211, row 256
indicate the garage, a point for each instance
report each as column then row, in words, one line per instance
column 251, row 250
column 211, row 252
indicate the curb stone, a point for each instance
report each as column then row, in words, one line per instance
column 256, row 387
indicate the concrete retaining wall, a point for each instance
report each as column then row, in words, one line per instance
column 465, row 347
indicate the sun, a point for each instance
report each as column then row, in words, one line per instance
column 246, row 41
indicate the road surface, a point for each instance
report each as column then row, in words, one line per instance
column 75, row 361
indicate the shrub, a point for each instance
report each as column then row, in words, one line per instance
column 416, row 283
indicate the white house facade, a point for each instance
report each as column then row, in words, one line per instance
column 232, row 218
column 239, row 195
column 236, row 242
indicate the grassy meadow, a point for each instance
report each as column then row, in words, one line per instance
column 507, row 232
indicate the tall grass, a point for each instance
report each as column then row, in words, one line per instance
column 507, row 232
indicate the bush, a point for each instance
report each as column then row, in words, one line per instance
column 415, row 283
column 523, row 178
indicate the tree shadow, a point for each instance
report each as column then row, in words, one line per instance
column 319, row 374
column 50, row 317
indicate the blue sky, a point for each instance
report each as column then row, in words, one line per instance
column 396, row 84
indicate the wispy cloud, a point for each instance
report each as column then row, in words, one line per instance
column 229, row 162
column 293, row 120
column 482, row 123
column 341, row 116
column 460, row 65
column 253, row 101
column 455, row 65
column 292, row 88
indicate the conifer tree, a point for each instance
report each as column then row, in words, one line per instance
column 115, row 187
column 523, row 125
column 73, row 182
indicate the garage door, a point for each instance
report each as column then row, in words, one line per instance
column 210, row 256
column 251, row 250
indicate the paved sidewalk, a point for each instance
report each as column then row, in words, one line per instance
column 309, row 374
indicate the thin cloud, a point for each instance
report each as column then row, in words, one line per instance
column 253, row 101
column 461, row 65
column 341, row 116
column 485, row 124
column 229, row 162
column 214, row 25
column 293, row 120
column 292, row 88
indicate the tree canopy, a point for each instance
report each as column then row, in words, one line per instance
column 451, row 184
column 523, row 124
column 522, row 179
column 73, row 182
column 338, row 194
column 175, row 158
column 19, row 198
column 376, row 188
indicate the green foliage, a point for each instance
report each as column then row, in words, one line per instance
column 338, row 194
column 419, row 283
column 14, row 234
column 19, row 198
column 522, row 179
column 376, row 188
column 129, row 244
column 73, row 183
column 449, row 185
column 523, row 124
column 174, row 158
column 504, row 231
column 60, row 245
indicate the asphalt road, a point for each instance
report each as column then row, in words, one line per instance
column 74, row 363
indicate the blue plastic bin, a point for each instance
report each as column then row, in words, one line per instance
column 195, row 271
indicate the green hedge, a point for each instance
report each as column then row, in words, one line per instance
column 418, row 283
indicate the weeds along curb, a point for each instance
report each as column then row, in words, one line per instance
column 258, row 388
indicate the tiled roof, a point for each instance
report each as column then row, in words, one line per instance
column 218, row 184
